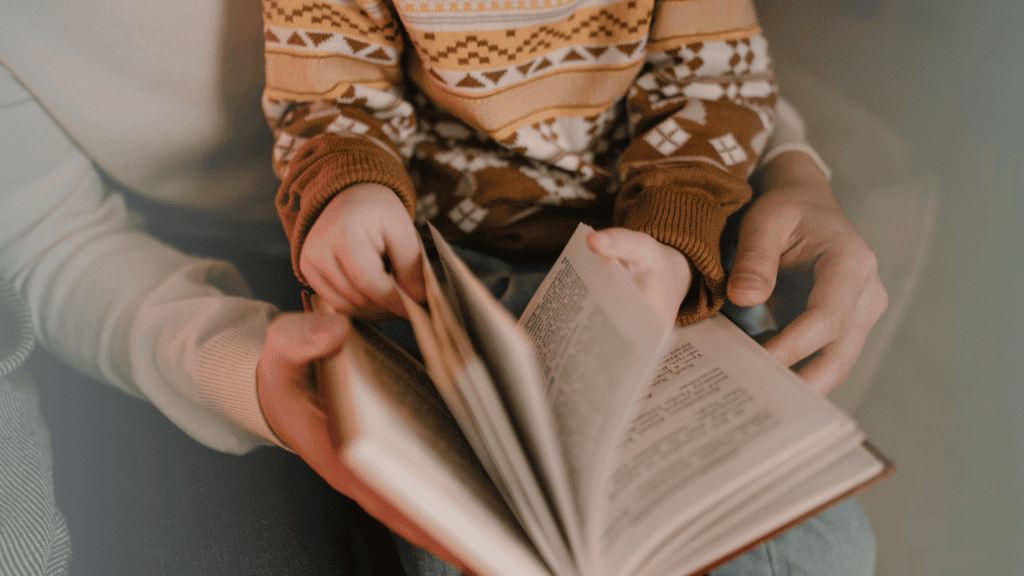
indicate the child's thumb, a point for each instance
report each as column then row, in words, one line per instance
column 617, row 244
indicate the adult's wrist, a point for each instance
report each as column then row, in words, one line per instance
column 794, row 169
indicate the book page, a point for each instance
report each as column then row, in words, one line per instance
column 465, row 382
column 442, row 366
column 596, row 339
column 720, row 418
column 400, row 439
column 778, row 505
column 508, row 354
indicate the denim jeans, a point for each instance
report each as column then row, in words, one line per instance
column 837, row 542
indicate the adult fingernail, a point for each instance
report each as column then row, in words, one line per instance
column 746, row 283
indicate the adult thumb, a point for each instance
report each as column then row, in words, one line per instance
column 756, row 265
column 297, row 338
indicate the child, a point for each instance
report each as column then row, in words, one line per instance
column 507, row 122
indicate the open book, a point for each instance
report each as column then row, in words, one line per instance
column 590, row 438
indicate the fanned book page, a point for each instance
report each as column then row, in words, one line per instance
column 591, row 440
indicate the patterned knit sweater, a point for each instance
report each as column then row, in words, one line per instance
column 507, row 122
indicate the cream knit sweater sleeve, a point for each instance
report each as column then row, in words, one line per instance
column 112, row 301
column 790, row 135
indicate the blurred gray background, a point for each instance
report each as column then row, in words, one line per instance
column 949, row 78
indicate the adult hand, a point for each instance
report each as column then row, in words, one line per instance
column 343, row 256
column 662, row 272
column 795, row 223
column 300, row 414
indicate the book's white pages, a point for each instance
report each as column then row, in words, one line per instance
column 509, row 354
column 596, row 340
column 608, row 443
column 398, row 437
column 718, row 430
column 472, row 388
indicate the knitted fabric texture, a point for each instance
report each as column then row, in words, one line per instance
column 505, row 122
column 33, row 533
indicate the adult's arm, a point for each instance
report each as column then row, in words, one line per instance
column 790, row 135
column 113, row 302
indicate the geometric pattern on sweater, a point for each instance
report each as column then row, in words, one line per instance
column 362, row 19
column 450, row 7
column 509, row 46
column 578, row 56
column 318, row 41
column 723, row 57
column 502, row 110
column 729, row 149
column 710, row 71
column 467, row 215
column 667, row 137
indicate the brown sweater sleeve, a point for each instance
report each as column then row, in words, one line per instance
column 700, row 115
column 333, row 101
column 324, row 166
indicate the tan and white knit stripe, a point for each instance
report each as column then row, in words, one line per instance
column 354, row 19
column 686, row 21
column 308, row 77
column 567, row 59
column 300, row 41
column 498, row 113
column 456, row 15
column 437, row 44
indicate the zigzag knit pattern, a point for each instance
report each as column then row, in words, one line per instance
column 505, row 122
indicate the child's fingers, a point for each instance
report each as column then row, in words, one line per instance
column 335, row 289
column 403, row 248
column 661, row 272
column 362, row 265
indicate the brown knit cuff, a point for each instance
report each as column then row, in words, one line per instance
column 323, row 167
column 693, row 223
column 686, row 207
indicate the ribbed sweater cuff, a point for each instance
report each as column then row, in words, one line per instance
column 323, row 167
column 226, row 378
column 691, row 221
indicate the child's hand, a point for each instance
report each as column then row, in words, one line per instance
column 343, row 255
column 662, row 272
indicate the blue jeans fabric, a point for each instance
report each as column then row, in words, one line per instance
column 837, row 542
